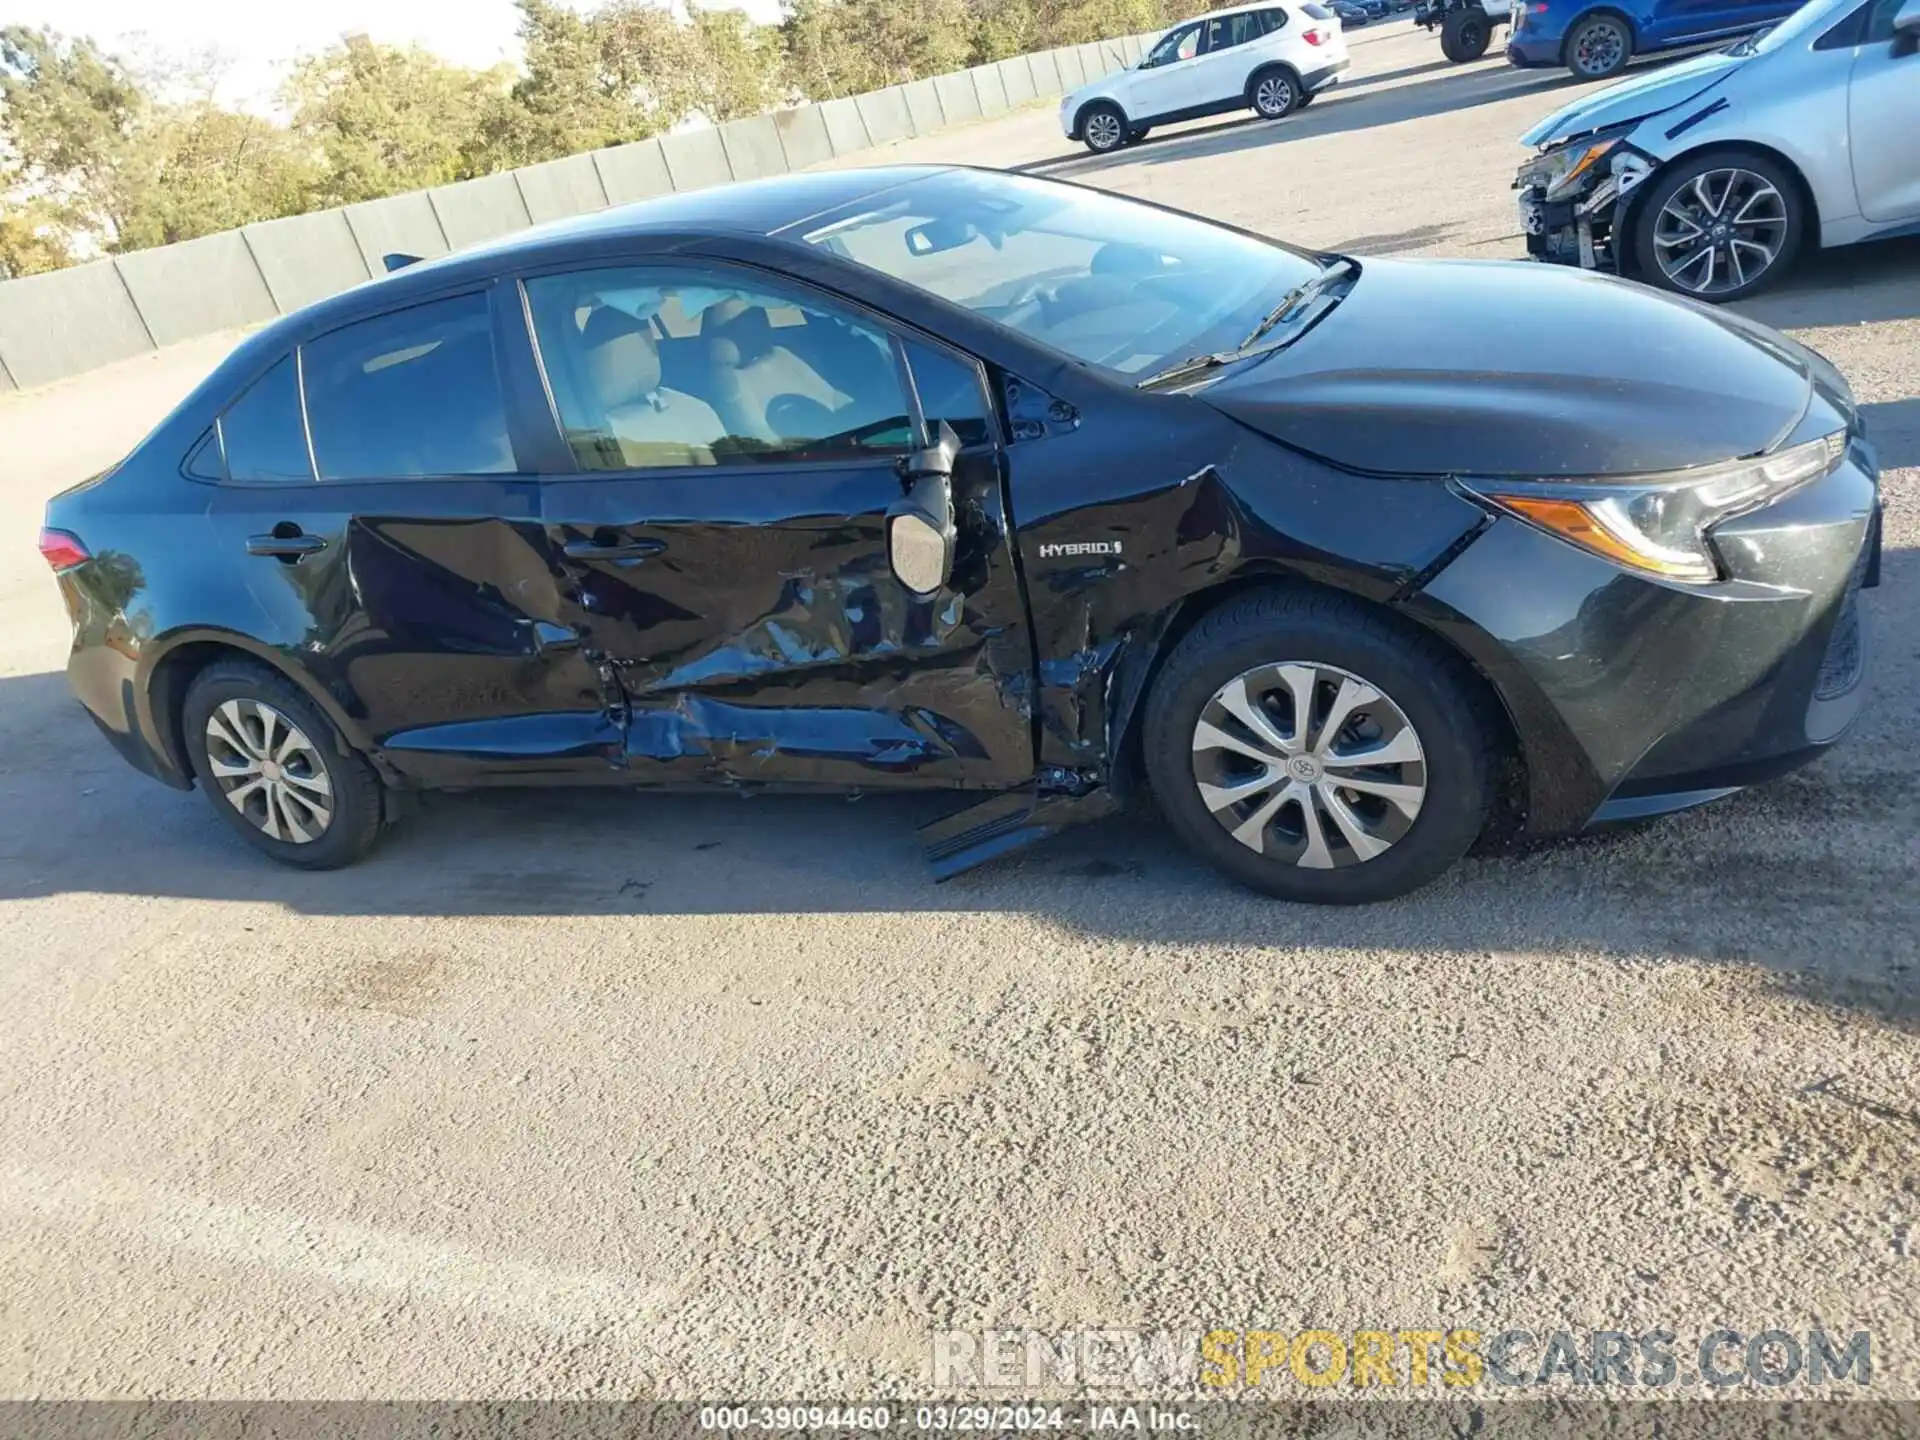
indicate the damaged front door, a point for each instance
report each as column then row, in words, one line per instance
column 740, row 441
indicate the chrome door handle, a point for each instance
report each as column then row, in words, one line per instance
column 285, row 547
column 619, row 550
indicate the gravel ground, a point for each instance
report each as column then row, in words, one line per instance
column 613, row 1095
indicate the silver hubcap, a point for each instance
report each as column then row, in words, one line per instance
column 1600, row 49
column 1274, row 95
column 1104, row 131
column 1720, row 232
column 270, row 771
column 1309, row 765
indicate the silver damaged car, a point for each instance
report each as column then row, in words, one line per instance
column 1707, row 177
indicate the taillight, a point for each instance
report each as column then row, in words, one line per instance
column 63, row 551
column 1315, row 37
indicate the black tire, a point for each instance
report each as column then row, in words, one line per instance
column 353, row 792
column 1447, row 710
column 1306, row 99
column 1465, row 36
column 1274, row 93
column 1137, row 134
column 1106, row 121
column 1655, row 195
column 1599, row 47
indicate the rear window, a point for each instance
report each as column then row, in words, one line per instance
column 261, row 434
column 413, row 393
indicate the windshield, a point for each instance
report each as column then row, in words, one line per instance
column 1103, row 279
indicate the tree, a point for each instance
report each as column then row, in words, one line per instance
column 195, row 169
column 70, row 117
column 384, row 119
column 841, row 47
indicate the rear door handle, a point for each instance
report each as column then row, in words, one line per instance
column 616, row 550
column 285, row 547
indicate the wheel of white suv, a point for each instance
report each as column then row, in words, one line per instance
column 276, row 770
column 1103, row 127
column 1599, row 47
column 1276, row 93
column 1309, row 746
column 1718, row 227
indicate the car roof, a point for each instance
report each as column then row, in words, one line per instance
column 752, row 207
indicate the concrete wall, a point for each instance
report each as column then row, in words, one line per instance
column 76, row 319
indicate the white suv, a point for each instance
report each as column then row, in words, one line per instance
column 1270, row 58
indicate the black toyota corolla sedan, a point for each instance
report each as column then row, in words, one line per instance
column 949, row 479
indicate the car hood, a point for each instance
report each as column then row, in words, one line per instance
column 1464, row 367
column 1635, row 99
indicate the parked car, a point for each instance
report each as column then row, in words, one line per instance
column 1596, row 38
column 1466, row 26
column 1709, row 176
column 939, row 479
column 1351, row 15
column 1270, row 58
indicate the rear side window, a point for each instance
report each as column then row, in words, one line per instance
column 261, row 433
column 413, row 393
column 1228, row 31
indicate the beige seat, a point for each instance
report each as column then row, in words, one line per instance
column 652, row 425
column 754, row 374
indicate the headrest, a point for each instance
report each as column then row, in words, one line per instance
column 746, row 327
column 623, row 362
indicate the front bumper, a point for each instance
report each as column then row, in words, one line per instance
column 1586, row 225
column 1632, row 696
column 1527, row 51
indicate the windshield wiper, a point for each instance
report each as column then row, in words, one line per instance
column 1293, row 304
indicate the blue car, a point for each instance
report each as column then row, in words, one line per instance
column 1595, row 41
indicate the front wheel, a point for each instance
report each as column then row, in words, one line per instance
column 1465, row 36
column 1599, row 47
column 1309, row 747
column 1103, row 128
column 277, row 771
column 1719, row 227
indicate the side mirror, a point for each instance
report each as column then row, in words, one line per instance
column 1906, row 28
column 920, row 528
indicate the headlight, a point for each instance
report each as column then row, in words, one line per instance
column 1563, row 171
column 1659, row 523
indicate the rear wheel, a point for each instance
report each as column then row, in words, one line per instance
column 1719, row 227
column 276, row 770
column 1465, row 36
column 1103, row 128
column 1310, row 748
column 1276, row 94
column 1599, row 47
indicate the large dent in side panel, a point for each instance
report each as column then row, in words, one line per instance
column 1225, row 505
column 775, row 647
column 815, row 684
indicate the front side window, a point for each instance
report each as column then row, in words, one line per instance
column 1095, row 276
column 950, row 391
column 654, row 368
column 261, row 434
column 1181, row 44
column 412, row 393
